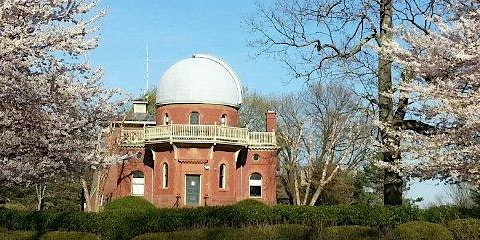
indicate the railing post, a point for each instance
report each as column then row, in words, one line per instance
column 144, row 133
column 215, row 133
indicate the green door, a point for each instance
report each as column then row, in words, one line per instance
column 192, row 186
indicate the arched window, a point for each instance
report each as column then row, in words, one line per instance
column 222, row 176
column 165, row 175
column 255, row 183
column 194, row 118
column 138, row 183
column 223, row 120
column 166, row 119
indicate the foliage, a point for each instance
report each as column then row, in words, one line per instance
column 334, row 40
column 339, row 191
column 17, row 235
column 129, row 203
column 151, row 98
column 115, row 223
column 368, row 184
column 261, row 232
column 252, row 111
column 465, row 229
column 443, row 72
column 441, row 214
column 53, row 108
column 348, row 232
column 422, row 230
column 68, row 236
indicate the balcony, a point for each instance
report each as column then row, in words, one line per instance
column 213, row 134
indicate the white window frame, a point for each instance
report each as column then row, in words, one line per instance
column 222, row 176
column 165, row 175
column 138, row 184
column 190, row 118
column 166, row 119
column 255, row 183
column 223, row 120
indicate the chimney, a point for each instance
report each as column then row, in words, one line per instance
column 139, row 106
column 271, row 121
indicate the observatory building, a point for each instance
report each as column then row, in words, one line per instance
column 194, row 153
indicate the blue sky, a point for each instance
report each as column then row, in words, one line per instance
column 175, row 30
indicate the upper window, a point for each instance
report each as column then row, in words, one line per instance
column 165, row 175
column 256, row 157
column 166, row 119
column 255, row 183
column 138, row 183
column 221, row 177
column 194, row 118
column 223, row 120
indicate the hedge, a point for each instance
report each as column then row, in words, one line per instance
column 68, row 236
column 278, row 232
column 422, row 230
column 468, row 229
column 125, row 223
column 348, row 233
column 129, row 203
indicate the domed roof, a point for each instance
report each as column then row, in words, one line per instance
column 200, row 79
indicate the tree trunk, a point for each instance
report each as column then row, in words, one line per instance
column 88, row 205
column 40, row 190
column 296, row 188
column 392, row 192
column 322, row 185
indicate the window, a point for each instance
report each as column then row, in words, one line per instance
column 138, row 183
column 194, row 118
column 166, row 119
column 165, row 175
column 255, row 183
column 223, row 120
column 256, row 157
column 221, row 176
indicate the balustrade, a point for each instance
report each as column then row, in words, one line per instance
column 196, row 134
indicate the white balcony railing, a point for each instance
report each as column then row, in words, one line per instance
column 197, row 134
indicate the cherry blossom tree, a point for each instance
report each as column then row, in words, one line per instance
column 53, row 108
column 336, row 40
column 443, row 88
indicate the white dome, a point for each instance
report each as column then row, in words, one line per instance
column 200, row 79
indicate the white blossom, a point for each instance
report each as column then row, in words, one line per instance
column 52, row 105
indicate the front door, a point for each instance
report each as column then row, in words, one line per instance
column 192, row 186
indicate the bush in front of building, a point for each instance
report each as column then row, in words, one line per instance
column 352, row 232
column 465, row 229
column 442, row 214
column 129, row 203
column 125, row 223
column 280, row 232
column 422, row 230
column 18, row 235
column 68, row 236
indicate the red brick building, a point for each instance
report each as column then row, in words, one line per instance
column 195, row 153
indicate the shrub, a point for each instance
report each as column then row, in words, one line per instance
column 281, row 232
column 348, row 232
column 129, row 203
column 17, row 235
column 250, row 203
column 422, row 230
column 465, row 228
column 441, row 214
column 68, row 236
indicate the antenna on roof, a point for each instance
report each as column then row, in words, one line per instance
column 146, row 73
